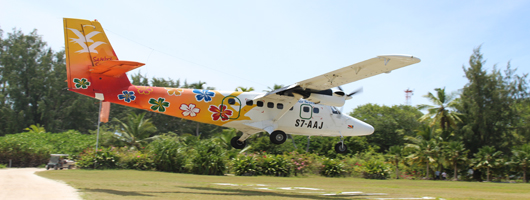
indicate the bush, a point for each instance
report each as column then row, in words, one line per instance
column 104, row 158
column 274, row 165
column 375, row 169
column 2, row 166
column 244, row 165
column 133, row 159
column 169, row 154
column 332, row 168
column 207, row 158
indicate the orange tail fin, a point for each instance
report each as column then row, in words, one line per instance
column 92, row 65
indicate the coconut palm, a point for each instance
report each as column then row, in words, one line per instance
column 244, row 89
column 396, row 155
column 422, row 152
column 443, row 109
column 521, row 159
column 135, row 130
column 275, row 87
column 488, row 158
column 455, row 153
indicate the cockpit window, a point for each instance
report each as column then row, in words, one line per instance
column 334, row 110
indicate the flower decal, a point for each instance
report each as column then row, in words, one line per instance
column 159, row 104
column 144, row 90
column 224, row 115
column 203, row 94
column 174, row 91
column 81, row 83
column 189, row 110
column 127, row 96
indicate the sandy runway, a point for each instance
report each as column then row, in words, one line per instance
column 23, row 183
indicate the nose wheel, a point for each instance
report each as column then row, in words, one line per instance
column 278, row 137
column 341, row 148
column 237, row 144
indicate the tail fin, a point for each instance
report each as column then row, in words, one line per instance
column 92, row 65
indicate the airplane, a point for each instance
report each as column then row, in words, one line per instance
column 308, row 107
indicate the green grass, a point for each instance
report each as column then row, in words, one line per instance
column 130, row 184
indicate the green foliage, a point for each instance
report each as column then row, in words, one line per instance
column 521, row 160
column 391, row 123
column 105, row 158
column 207, row 158
column 136, row 130
column 30, row 149
column 332, row 168
column 274, row 165
column 133, row 159
column 2, row 166
column 244, row 165
column 169, row 154
column 486, row 158
column 375, row 169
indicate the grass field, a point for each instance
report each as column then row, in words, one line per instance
column 130, row 184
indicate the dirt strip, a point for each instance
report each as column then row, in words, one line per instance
column 23, row 183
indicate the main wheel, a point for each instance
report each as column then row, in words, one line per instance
column 341, row 148
column 278, row 137
column 237, row 144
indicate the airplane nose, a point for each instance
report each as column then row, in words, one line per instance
column 362, row 128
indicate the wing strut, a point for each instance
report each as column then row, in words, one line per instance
column 293, row 101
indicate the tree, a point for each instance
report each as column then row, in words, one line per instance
column 391, row 123
column 489, row 105
column 396, row 155
column 275, row 87
column 521, row 160
column 244, row 89
column 442, row 111
column 422, row 152
column 136, row 130
column 455, row 154
column 487, row 157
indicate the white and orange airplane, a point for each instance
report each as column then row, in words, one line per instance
column 305, row 108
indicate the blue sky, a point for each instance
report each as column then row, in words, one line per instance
column 262, row 43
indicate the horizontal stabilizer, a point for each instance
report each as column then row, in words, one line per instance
column 115, row 68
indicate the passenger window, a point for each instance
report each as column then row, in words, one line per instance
column 279, row 106
column 231, row 101
column 259, row 103
column 270, row 105
column 306, row 109
column 316, row 110
column 250, row 103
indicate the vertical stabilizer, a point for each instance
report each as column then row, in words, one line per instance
column 87, row 47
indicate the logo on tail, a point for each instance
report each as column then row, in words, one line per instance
column 84, row 39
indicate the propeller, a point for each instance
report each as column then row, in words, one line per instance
column 348, row 96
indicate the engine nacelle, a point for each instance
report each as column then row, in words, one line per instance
column 337, row 101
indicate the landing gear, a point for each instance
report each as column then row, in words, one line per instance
column 237, row 144
column 341, row 148
column 278, row 137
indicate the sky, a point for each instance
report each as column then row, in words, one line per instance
column 258, row 44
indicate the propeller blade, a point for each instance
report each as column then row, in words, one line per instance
column 355, row 92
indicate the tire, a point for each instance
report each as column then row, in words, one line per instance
column 278, row 137
column 69, row 166
column 56, row 167
column 340, row 148
column 47, row 167
column 238, row 144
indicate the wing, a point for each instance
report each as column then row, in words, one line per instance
column 352, row 73
column 358, row 71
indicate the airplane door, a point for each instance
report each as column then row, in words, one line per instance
column 232, row 103
column 306, row 111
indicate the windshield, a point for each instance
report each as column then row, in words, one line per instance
column 334, row 110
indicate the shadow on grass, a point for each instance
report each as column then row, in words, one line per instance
column 240, row 192
column 116, row 192
column 225, row 192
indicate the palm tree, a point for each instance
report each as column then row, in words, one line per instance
column 396, row 154
column 442, row 110
column 136, row 130
column 244, row 89
column 488, row 158
column 456, row 153
column 521, row 159
column 275, row 87
column 423, row 151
